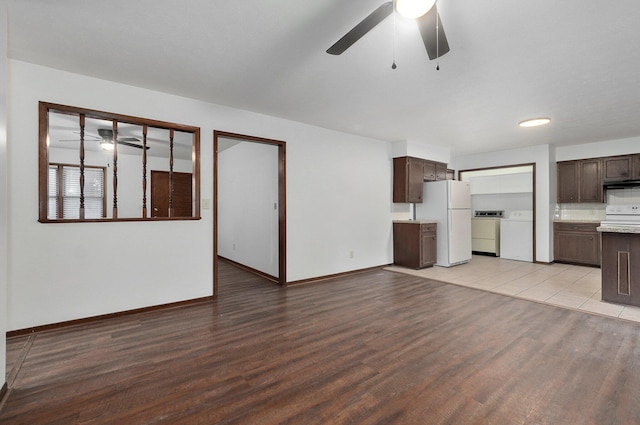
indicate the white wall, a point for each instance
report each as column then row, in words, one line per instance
column 338, row 201
column 506, row 202
column 598, row 149
column 545, row 186
column 4, row 199
column 247, row 193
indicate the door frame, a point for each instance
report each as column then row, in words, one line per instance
column 533, row 195
column 282, row 204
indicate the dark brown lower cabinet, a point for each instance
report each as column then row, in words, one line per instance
column 576, row 243
column 414, row 244
column 621, row 268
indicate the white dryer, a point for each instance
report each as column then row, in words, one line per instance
column 516, row 236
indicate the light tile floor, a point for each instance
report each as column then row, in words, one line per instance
column 562, row 285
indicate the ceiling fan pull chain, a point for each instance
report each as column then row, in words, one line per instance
column 437, row 41
column 393, row 65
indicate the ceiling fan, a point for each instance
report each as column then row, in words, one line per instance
column 106, row 137
column 424, row 11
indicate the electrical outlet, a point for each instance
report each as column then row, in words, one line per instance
column 206, row 203
column 351, row 254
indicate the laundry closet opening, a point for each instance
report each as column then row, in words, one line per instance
column 503, row 206
column 249, row 205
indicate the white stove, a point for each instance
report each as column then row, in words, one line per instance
column 622, row 216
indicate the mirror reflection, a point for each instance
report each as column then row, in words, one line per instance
column 101, row 166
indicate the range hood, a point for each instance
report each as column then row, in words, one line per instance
column 624, row 184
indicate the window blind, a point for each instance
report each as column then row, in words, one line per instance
column 70, row 196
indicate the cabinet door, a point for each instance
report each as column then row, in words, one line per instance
column 407, row 180
column 617, row 168
column 441, row 171
column 568, row 180
column 621, row 268
column 406, row 244
column 429, row 169
column 429, row 249
column 416, row 171
column 636, row 167
column 591, row 181
column 451, row 174
column 582, row 248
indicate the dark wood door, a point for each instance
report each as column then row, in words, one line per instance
column 568, row 180
column 182, row 198
column 591, row 181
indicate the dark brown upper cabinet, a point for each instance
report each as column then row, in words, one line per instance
column 568, row 181
column 408, row 176
column 580, row 181
column 617, row 168
column 96, row 166
column 410, row 173
column 591, row 181
column 429, row 171
column 441, row 171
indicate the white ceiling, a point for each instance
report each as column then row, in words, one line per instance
column 576, row 61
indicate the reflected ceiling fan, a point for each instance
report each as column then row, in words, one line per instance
column 425, row 12
column 106, row 137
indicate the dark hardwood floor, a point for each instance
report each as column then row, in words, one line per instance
column 371, row 348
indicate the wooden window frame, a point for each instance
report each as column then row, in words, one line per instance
column 43, row 159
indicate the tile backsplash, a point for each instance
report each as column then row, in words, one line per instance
column 597, row 211
column 623, row 196
column 580, row 211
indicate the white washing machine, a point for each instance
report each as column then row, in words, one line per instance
column 516, row 236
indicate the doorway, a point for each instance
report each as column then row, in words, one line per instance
column 280, row 207
column 510, row 190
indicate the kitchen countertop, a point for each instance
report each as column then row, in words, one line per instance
column 619, row 229
column 416, row 221
column 573, row 220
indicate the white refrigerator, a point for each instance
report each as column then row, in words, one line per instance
column 449, row 203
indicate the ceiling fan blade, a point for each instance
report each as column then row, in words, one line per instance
column 133, row 145
column 433, row 34
column 86, row 136
column 128, row 139
column 366, row 25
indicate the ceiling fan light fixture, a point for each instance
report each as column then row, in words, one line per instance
column 106, row 145
column 534, row 122
column 413, row 9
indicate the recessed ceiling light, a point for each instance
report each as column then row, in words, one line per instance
column 534, row 122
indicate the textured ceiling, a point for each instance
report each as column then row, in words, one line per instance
column 576, row 61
